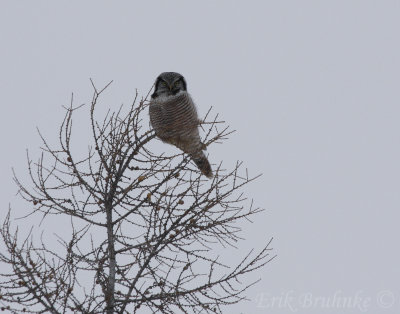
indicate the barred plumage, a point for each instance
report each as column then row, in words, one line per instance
column 174, row 118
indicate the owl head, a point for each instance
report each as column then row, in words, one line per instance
column 169, row 84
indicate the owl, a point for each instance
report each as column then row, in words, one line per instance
column 173, row 117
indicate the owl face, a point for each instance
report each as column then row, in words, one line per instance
column 169, row 84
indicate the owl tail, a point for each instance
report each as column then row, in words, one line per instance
column 203, row 164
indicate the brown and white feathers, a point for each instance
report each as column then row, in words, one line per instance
column 174, row 118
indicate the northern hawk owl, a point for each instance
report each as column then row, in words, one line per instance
column 174, row 118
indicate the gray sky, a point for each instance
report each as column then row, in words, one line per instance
column 312, row 88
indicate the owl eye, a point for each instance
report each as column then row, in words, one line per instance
column 176, row 83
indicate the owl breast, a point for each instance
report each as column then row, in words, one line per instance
column 174, row 117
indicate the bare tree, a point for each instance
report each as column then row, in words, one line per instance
column 144, row 227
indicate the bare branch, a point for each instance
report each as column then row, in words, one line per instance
column 143, row 228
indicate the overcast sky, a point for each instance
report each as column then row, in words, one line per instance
column 312, row 88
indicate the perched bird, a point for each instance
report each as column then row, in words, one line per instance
column 173, row 117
